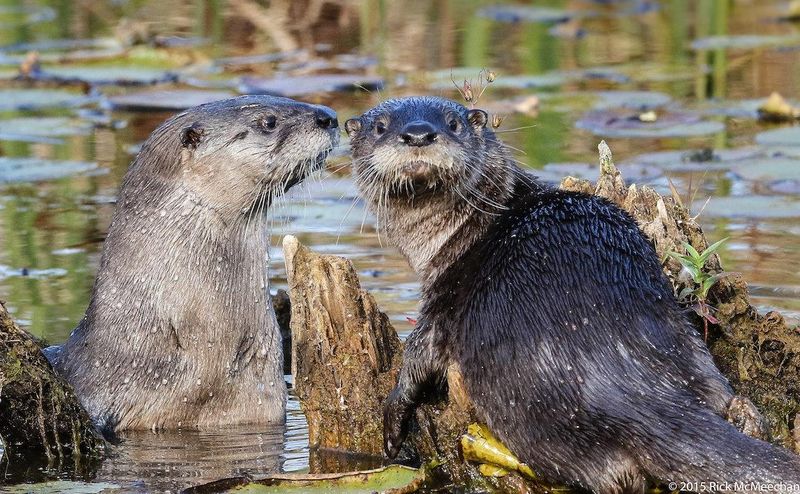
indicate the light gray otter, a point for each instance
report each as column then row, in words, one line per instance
column 555, row 308
column 180, row 331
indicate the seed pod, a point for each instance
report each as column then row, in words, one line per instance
column 490, row 77
column 497, row 120
column 466, row 91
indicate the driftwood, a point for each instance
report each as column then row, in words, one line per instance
column 42, row 424
column 350, row 354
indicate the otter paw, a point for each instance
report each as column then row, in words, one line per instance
column 396, row 418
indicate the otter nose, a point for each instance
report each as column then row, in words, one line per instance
column 326, row 119
column 418, row 133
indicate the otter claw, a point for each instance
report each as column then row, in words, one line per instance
column 396, row 417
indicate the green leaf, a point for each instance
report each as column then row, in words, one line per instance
column 691, row 250
column 695, row 272
column 712, row 249
column 706, row 286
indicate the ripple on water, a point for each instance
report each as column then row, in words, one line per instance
column 174, row 460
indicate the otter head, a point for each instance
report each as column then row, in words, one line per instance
column 237, row 154
column 411, row 147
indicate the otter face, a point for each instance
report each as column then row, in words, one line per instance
column 408, row 147
column 240, row 153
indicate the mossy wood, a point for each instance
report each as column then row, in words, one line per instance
column 42, row 423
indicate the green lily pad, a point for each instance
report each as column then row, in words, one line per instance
column 744, row 41
column 625, row 123
column 39, row 129
column 366, row 482
column 64, row 50
column 62, row 487
column 521, row 13
column 786, row 136
column 758, row 207
column 656, row 72
column 33, row 99
column 105, row 75
column 637, row 100
column 452, row 78
column 61, row 45
column 167, row 100
column 695, row 160
column 768, row 169
column 38, row 169
column 304, row 85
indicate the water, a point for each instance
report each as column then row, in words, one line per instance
column 54, row 211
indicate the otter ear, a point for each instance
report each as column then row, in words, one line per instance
column 477, row 118
column 192, row 135
column 352, row 126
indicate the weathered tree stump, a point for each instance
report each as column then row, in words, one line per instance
column 349, row 356
column 42, row 422
column 759, row 354
column 345, row 353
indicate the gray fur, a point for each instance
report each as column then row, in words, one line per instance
column 180, row 330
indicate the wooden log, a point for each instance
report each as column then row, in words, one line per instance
column 42, row 423
column 345, row 353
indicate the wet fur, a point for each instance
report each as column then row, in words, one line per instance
column 180, row 330
column 556, row 309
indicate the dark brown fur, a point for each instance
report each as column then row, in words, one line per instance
column 555, row 308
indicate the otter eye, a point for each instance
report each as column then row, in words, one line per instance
column 380, row 128
column 269, row 122
column 453, row 124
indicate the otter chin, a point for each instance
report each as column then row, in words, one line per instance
column 554, row 307
column 180, row 331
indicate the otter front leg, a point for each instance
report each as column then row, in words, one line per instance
column 424, row 369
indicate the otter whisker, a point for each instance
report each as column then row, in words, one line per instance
column 516, row 129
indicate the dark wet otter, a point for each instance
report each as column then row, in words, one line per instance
column 180, row 331
column 555, row 308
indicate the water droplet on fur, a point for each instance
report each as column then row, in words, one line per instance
column 97, row 363
column 585, row 321
column 127, row 380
